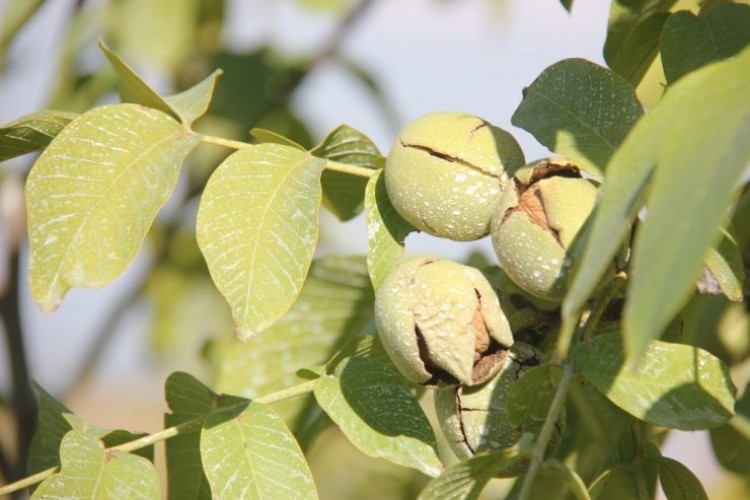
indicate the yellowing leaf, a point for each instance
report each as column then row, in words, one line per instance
column 93, row 194
column 257, row 228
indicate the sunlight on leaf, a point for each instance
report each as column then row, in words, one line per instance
column 94, row 192
column 257, row 228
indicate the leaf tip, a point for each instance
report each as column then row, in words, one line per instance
column 244, row 334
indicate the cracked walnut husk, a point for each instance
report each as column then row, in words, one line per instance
column 535, row 227
column 441, row 323
column 473, row 419
column 446, row 171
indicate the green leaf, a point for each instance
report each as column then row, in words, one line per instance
column 188, row 398
column 386, row 230
column 705, row 161
column 257, row 228
column 579, row 110
column 90, row 471
column 50, row 429
column 689, row 42
column 675, row 386
column 723, row 271
column 678, row 482
column 32, row 132
column 94, row 192
column 567, row 4
column 640, row 48
column 569, row 477
column 343, row 194
column 186, row 106
column 376, row 409
column 532, row 394
column 624, row 17
column 335, row 304
column 731, row 442
column 262, row 135
column 466, row 479
column 716, row 90
column 251, row 454
column 117, row 437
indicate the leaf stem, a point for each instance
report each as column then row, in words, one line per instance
column 349, row 169
column 537, row 453
column 220, row 141
column 189, row 426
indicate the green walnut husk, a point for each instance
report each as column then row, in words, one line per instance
column 446, row 171
column 473, row 419
column 537, row 221
column 441, row 323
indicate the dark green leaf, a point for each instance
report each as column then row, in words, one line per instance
column 675, row 386
column 376, row 409
column 689, row 42
column 386, row 231
column 90, row 471
column 120, row 436
column 343, row 194
column 257, row 228
column 531, row 395
column 678, row 482
column 50, row 429
column 568, row 4
column 466, row 479
column 579, row 110
column 567, row 475
column 249, row 453
column 731, row 442
column 639, row 49
column 705, row 161
column 624, row 17
column 32, row 132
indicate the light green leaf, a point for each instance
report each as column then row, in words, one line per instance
column 376, row 409
column 531, row 395
column 250, row 454
column 343, row 194
column 257, row 228
column 640, row 48
column 723, row 271
column 50, row 429
column 675, row 386
column 187, row 106
column 94, row 192
column 689, row 42
column 335, row 304
column 678, row 482
column 706, row 162
column 624, row 17
column 32, row 132
column 629, row 173
column 731, row 442
column 89, row 471
column 192, row 103
column 466, row 479
column 263, row 135
column 386, row 230
column 579, row 110
column 569, row 477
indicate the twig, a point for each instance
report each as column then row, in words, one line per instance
column 23, row 400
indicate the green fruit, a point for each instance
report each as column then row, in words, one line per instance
column 446, row 172
column 537, row 221
column 441, row 323
column 473, row 419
